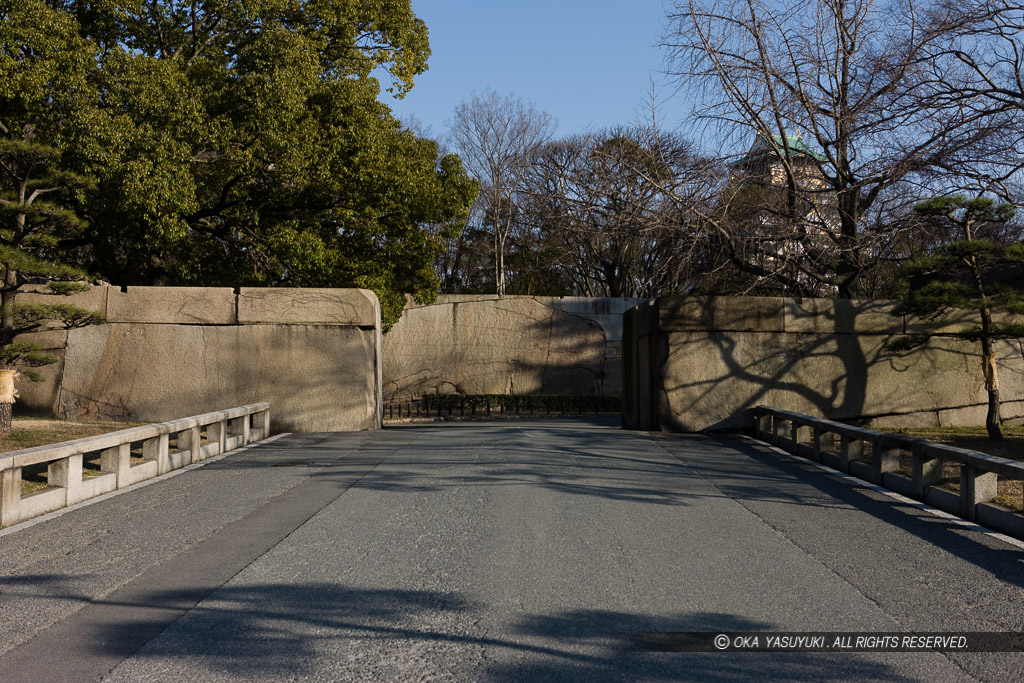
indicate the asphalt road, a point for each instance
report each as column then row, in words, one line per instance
column 532, row 550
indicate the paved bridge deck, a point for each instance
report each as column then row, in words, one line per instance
column 494, row 551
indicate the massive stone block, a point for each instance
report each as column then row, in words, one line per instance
column 711, row 361
column 40, row 398
column 317, row 378
column 292, row 306
column 517, row 345
column 172, row 305
column 841, row 316
column 735, row 314
column 94, row 299
column 605, row 311
column 713, row 379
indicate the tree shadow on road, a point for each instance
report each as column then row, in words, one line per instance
column 330, row 631
column 760, row 474
column 599, row 462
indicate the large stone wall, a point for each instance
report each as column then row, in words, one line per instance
column 511, row 345
column 682, row 363
column 696, row 364
column 169, row 352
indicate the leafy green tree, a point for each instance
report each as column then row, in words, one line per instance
column 233, row 143
column 43, row 64
column 972, row 272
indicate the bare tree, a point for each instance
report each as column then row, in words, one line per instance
column 976, row 62
column 837, row 89
column 612, row 203
column 495, row 137
column 464, row 264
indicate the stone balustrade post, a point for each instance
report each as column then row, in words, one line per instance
column 155, row 448
column 849, row 449
column 976, row 486
column 797, row 434
column 216, row 433
column 10, row 496
column 924, row 472
column 118, row 460
column 816, row 434
column 243, row 428
column 764, row 424
column 884, row 459
column 261, row 421
column 66, row 473
column 190, row 440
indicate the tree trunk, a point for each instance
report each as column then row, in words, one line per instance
column 7, row 375
column 7, row 295
column 988, row 353
column 499, row 262
column 7, row 396
column 993, row 420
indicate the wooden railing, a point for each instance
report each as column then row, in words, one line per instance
column 88, row 467
column 875, row 457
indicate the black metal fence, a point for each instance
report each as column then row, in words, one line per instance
column 445, row 406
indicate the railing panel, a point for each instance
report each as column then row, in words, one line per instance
column 487, row 405
column 141, row 472
column 39, row 503
column 68, row 483
column 979, row 473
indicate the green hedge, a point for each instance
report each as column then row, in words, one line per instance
column 540, row 403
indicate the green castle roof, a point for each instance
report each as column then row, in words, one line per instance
column 762, row 148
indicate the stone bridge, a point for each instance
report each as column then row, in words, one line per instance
column 500, row 551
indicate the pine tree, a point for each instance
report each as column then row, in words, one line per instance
column 973, row 271
column 34, row 216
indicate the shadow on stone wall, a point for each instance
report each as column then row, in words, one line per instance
column 513, row 345
column 712, row 360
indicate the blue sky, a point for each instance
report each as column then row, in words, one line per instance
column 588, row 63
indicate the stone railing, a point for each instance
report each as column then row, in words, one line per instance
column 875, row 457
column 88, row 467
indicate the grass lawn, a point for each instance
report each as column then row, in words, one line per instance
column 973, row 438
column 1011, row 493
column 29, row 432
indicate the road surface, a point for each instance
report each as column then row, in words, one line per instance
column 499, row 551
